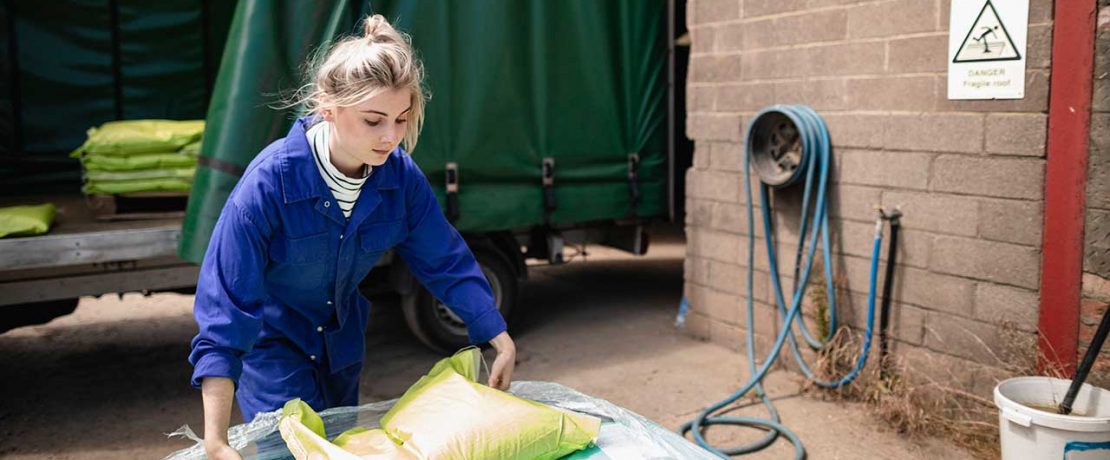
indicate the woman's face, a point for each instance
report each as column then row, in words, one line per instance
column 367, row 132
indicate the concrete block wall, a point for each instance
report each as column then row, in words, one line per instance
column 1096, row 260
column 968, row 174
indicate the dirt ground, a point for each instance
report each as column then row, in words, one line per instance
column 108, row 381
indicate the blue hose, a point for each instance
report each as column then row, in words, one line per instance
column 816, row 152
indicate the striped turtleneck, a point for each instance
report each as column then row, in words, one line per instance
column 344, row 188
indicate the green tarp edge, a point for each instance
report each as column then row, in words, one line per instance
column 266, row 50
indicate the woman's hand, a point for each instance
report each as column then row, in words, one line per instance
column 501, row 374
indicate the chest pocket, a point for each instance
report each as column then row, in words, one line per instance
column 379, row 236
column 299, row 262
column 300, row 251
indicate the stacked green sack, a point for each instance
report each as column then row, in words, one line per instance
column 134, row 156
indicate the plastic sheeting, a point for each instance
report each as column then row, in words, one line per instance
column 624, row 434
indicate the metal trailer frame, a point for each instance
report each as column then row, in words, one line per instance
column 70, row 265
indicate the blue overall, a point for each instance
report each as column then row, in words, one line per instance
column 277, row 302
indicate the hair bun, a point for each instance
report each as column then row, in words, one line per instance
column 375, row 27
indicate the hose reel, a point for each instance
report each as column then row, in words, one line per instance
column 776, row 150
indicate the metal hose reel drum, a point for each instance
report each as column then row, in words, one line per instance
column 776, row 149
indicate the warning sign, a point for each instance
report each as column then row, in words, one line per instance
column 987, row 40
column 987, row 49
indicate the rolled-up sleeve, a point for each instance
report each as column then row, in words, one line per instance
column 439, row 257
column 230, row 292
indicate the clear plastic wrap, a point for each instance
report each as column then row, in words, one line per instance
column 624, row 435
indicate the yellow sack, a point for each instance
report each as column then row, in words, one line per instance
column 129, row 137
column 447, row 415
column 303, row 432
column 26, row 220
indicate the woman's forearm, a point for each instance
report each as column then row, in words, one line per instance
column 218, row 394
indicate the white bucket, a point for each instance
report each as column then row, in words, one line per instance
column 1031, row 434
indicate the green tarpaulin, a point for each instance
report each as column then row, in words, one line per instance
column 72, row 64
column 512, row 82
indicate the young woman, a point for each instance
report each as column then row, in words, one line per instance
column 277, row 304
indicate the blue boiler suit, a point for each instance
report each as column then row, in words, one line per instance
column 277, row 302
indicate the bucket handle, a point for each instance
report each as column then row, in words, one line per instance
column 1017, row 417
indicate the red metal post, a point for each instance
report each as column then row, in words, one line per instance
column 1069, row 124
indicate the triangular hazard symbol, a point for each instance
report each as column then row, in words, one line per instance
column 987, row 40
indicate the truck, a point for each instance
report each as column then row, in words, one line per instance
column 551, row 125
column 69, row 66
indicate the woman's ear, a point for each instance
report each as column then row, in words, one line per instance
column 327, row 108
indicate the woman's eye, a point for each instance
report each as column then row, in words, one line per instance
column 373, row 123
column 401, row 122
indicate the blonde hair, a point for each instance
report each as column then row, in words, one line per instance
column 358, row 68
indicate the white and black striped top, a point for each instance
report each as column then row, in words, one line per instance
column 344, row 188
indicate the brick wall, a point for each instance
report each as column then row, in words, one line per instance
column 968, row 174
column 1096, row 261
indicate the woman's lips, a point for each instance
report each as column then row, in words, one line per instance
column 380, row 152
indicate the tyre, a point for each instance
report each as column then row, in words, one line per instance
column 438, row 327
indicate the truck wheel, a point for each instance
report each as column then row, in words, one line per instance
column 437, row 326
column 30, row 314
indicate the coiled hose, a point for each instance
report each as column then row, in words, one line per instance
column 815, row 159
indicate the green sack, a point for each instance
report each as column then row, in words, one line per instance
column 447, row 415
column 129, row 137
column 26, row 220
column 193, row 149
column 113, row 187
column 137, row 162
column 163, row 173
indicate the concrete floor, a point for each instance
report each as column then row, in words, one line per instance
column 109, row 380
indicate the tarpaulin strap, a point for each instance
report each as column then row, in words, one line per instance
column 548, row 174
column 452, row 178
column 634, row 183
column 220, row 165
